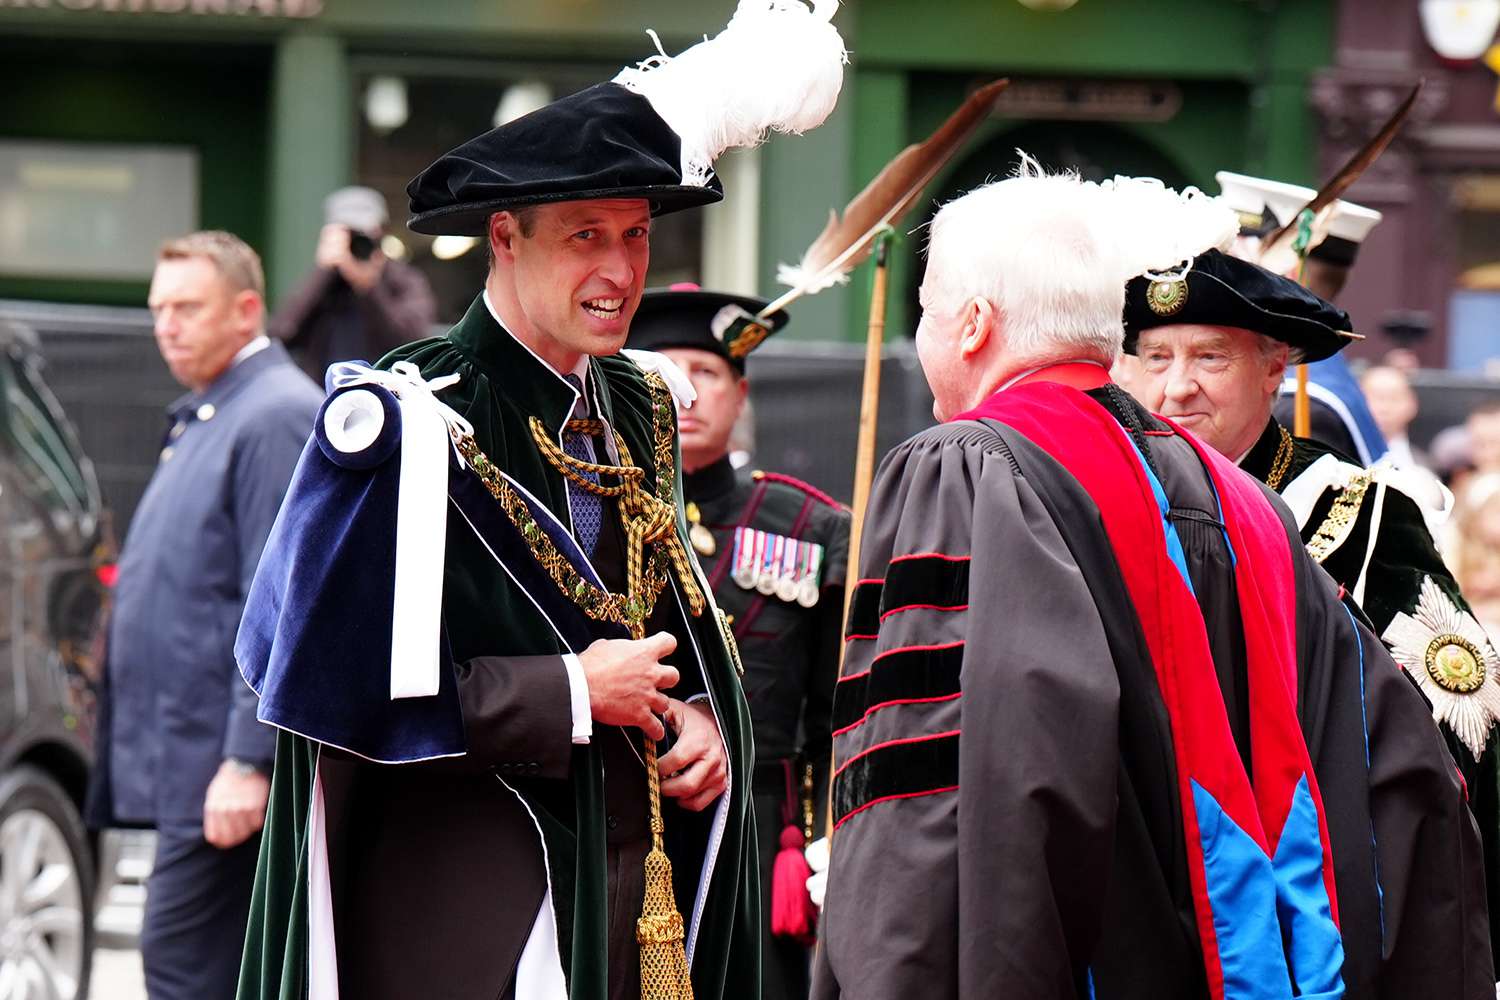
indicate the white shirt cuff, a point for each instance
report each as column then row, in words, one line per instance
column 578, row 689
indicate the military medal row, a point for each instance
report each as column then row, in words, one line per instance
column 775, row 564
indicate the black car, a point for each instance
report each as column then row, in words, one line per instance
column 54, row 558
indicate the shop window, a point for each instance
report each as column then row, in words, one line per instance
column 92, row 210
column 411, row 113
column 1474, row 305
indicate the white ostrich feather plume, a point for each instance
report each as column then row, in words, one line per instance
column 778, row 66
column 1472, row 715
column 1163, row 230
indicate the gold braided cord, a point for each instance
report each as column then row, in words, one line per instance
column 579, row 471
column 1282, row 462
column 648, row 520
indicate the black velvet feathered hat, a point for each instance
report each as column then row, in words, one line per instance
column 603, row 142
column 1220, row 290
column 687, row 316
column 651, row 133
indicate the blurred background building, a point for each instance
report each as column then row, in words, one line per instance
column 126, row 121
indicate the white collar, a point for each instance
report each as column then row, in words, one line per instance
column 251, row 349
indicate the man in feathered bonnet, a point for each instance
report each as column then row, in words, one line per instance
column 498, row 831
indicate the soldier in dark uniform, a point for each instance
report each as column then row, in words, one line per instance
column 1213, row 348
column 774, row 550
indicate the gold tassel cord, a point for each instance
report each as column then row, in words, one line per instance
column 648, row 520
column 659, row 931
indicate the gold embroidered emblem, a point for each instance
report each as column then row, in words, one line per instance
column 747, row 338
column 1455, row 663
column 1166, row 298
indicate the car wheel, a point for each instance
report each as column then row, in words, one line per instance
column 46, row 936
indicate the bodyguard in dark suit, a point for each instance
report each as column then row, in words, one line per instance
column 180, row 747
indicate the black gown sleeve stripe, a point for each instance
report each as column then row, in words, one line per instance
column 897, row 769
column 908, row 676
column 864, row 610
column 926, row 580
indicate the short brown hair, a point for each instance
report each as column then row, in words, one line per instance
column 233, row 257
column 525, row 216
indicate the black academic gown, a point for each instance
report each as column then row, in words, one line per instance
column 1057, row 801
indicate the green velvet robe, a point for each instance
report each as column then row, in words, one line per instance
column 502, row 384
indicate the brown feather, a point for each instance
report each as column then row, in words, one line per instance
column 846, row 241
column 1345, row 177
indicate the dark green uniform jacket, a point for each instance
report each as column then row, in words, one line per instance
column 438, row 871
column 1388, row 575
column 791, row 656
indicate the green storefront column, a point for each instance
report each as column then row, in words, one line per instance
column 312, row 139
column 1298, row 40
column 802, row 177
column 880, row 132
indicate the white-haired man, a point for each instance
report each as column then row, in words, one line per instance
column 1069, row 738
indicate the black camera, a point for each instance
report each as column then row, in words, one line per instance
column 361, row 245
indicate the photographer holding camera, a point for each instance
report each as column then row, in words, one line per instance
column 357, row 303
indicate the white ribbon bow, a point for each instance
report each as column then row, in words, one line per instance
column 683, row 393
column 427, row 428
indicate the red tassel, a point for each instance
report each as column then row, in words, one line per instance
column 793, row 914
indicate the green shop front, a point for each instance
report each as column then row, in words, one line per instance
column 129, row 120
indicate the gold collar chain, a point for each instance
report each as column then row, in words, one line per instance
column 1283, row 460
column 646, row 518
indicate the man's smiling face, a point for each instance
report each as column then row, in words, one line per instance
column 579, row 269
column 1219, row 382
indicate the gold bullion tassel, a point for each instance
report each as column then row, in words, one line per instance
column 664, row 967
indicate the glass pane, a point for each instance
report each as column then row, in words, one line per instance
column 1474, row 308
column 89, row 210
column 39, row 444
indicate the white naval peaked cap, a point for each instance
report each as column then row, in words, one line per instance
column 1252, row 196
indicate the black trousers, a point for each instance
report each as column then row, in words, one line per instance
column 784, row 964
column 627, row 892
column 197, row 903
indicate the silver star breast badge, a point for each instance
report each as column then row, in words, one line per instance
column 1449, row 656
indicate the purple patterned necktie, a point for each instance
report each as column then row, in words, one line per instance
column 587, row 508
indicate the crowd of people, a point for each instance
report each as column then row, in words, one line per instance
column 480, row 670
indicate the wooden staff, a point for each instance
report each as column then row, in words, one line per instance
column 1301, row 412
column 1302, row 245
column 869, row 417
